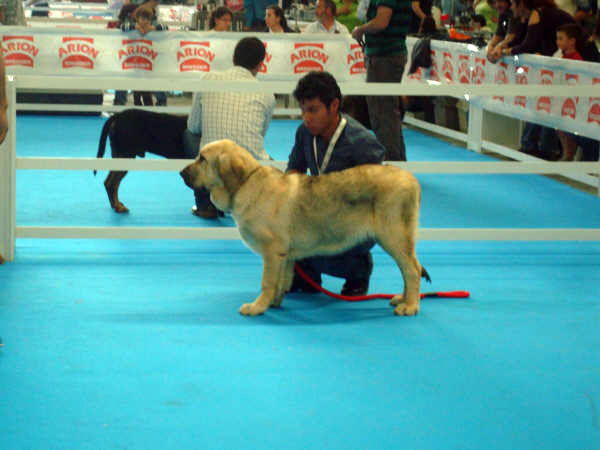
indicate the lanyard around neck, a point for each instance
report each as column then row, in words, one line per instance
column 332, row 142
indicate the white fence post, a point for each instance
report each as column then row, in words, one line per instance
column 475, row 124
column 7, row 177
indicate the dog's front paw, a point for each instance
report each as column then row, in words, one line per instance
column 406, row 309
column 251, row 309
column 396, row 300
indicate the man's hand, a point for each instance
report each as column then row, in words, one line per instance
column 358, row 33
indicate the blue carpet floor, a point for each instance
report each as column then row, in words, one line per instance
column 138, row 344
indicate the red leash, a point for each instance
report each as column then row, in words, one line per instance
column 360, row 298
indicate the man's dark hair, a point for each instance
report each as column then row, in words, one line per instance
column 573, row 31
column 249, row 53
column 319, row 85
column 331, row 5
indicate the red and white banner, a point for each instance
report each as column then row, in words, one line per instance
column 463, row 63
column 187, row 54
column 56, row 52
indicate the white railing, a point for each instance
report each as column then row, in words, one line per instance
column 9, row 163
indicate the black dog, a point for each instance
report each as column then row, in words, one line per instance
column 134, row 132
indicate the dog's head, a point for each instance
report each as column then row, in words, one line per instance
column 221, row 167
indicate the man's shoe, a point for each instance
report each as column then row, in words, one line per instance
column 210, row 212
column 355, row 288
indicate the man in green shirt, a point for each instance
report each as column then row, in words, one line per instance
column 384, row 41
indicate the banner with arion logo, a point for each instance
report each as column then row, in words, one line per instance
column 191, row 54
column 79, row 52
column 454, row 63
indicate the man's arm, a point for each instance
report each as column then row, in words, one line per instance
column 378, row 23
column 296, row 160
column 416, row 7
column 3, row 101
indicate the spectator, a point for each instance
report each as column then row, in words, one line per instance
column 504, row 19
column 595, row 37
column 13, row 12
column 486, row 9
column 384, row 37
column 240, row 116
column 124, row 20
column 419, row 10
column 544, row 18
column 221, row 19
column 456, row 8
column 346, row 13
column 585, row 14
column 161, row 97
column 513, row 34
column 143, row 23
column 326, row 23
column 328, row 141
column 569, row 39
column 479, row 24
column 276, row 21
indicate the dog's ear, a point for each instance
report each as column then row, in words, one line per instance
column 233, row 170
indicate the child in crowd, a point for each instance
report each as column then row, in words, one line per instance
column 142, row 22
column 478, row 23
column 569, row 40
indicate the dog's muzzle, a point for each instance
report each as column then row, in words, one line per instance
column 186, row 177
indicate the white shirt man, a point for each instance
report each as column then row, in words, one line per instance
column 326, row 23
column 243, row 117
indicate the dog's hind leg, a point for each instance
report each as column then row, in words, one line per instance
column 112, row 182
column 285, row 282
column 404, row 254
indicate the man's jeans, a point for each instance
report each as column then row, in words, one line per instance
column 386, row 111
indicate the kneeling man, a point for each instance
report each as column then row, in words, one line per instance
column 328, row 141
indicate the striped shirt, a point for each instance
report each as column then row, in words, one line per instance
column 242, row 117
column 392, row 40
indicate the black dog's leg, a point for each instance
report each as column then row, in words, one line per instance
column 112, row 182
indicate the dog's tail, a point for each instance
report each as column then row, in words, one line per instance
column 103, row 136
column 425, row 275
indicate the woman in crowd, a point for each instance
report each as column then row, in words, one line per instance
column 276, row 21
column 221, row 19
column 544, row 18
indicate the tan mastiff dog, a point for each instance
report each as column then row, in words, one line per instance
column 288, row 217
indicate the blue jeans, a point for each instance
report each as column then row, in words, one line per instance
column 354, row 264
column 120, row 98
column 161, row 98
column 539, row 139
